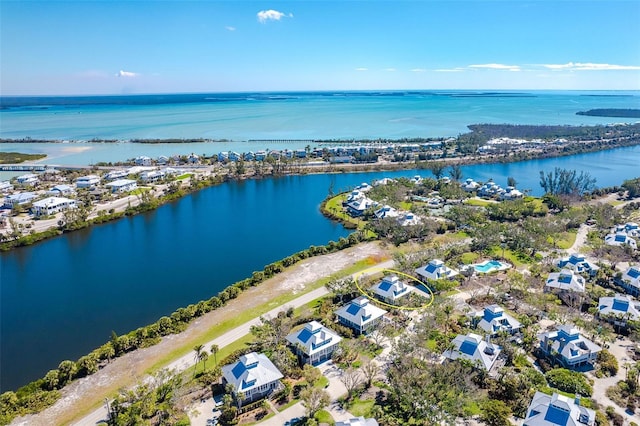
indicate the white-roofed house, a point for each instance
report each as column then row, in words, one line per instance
column 314, row 343
column 391, row 289
column 386, row 211
column 620, row 239
column 358, row 421
column 5, row 186
column 435, row 270
column 568, row 347
column 357, row 207
column 116, row 174
column 578, row 263
column 619, row 309
column 152, row 175
column 408, row 219
column 360, row 315
column 470, row 185
column 475, row 349
column 510, row 193
column 122, row 185
column 493, row 320
column 632, row 229
column 87, row 181
column 253, row 377
column 21, row 198
column 558, row 410
column 565, row 280
column 143, row 160
column 630, row 280
column 52, row 205
column 28, row 180
column 60, row 190
column 490, row 189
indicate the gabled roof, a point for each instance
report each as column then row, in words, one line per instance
column 557, row 410
column 391, row 288
column 435, row 270
column 251, row 371
column 495, row 320
column 473, row 348
column 360, row 311
column 566, row 280
column 625, row 306
column 313, row 337
column 569, row 343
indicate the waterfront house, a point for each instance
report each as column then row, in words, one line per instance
column 363, row 187
column 390, row 290
column 354, row 195
column 87, row 181
column 618, row 310
column 490, row 190
column 52, row 205
column 565, row 280
column 472, row 347
column 630, row 280
column 116, row 174
column 261, row 155
column 578, row 263
column 5, row 187
column 193, row 158
column 223, row 156
column 313, row 343
column 360, row 315
column 357, row 207
column 21, row 198
column 60, row 190
column 27, row 180
column 558, row 410
column 122, row 185
column 253, row 377
column 358, row 421
column 143, row 160
column 620, row 239
column 152, row 176
column 493, row 320
column 162, row 160
column 568, row 347
column 435, row 270
column 341, row 159
column 383, row 181
column 470, row 185
column 386, row 211
column 510, row 193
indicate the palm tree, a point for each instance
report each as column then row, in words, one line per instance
column 198, row 350
column 455, row 171
column 204, row 356
column 214, row 351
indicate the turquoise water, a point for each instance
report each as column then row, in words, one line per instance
column 488, row 266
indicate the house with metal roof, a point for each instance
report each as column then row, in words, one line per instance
column 472, row 347
column 390, row 290
column 386, row 211
column 29, row 179
column 357, row 207
column 620, row 239
column 632, row 229
column 568, row 347
column 619, row 309
column 5, row 186
column 60, row 190
column 558, row 410
column 122, row 185
column 87, row 181
column 314, row 343
column 253, row 377
column 435, row 270
column 565, row 280
column 18, row 199
column 493, row 320
column 360, row 315
column 630, row 280
column 52, row 205
column 578, row 263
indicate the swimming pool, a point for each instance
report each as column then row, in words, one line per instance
column 490, row 266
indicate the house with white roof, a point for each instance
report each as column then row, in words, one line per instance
column 386, row 211
column 143, row 160
column 163, row 159
column 21, row 198
column 364, row 187
column 470, row 185
column 510, row 193
column 558, row 410
column 314, row 343
column 632, row 229
column 619, row 309
column 87, row 181
column 390, row 290
column 122, row 185
column 568, row 347
column 565, row 280
column 5, row 186
column 630, row 280
column 360, row 315
column 28, row 180
column 60, row 190
column 52, row 205
column 493, row 320
column 383, row 181
column 152, row 175
column 475, row 349
column 357, row 207
column 490, row 189
column 408, row 219
column 435, row 270
column 358, row 421
column 620, row 239
column 253, row 377
column 578, row 263
column 116, row 174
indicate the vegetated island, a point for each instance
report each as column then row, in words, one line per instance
column 19, row 157
column 612, row 112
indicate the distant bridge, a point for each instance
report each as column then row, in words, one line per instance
column 22, row 167
column 283, row 140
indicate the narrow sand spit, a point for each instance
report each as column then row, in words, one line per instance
column 129, row 369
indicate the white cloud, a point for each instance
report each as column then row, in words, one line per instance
column 230, row 28
column 458, row 69
column 272, row 15
column 390, row 69
column 497, row 67
column 418, row 70
column 588, row 66
column 362, row 69
column 127, row 74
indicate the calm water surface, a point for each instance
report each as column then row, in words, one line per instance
column 63, row 297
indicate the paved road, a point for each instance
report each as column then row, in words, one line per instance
column 227, row 338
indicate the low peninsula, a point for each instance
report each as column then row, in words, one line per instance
column 611, row 112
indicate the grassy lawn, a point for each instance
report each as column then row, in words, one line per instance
column 323, row 416
column 512, row 257
column 334, row 205
column 139, row 190
column 18, row 157
column 360, row 407
column 477, row 202
column 566, row 239
column 184, row 176
column 469, row 257
column 405, row 205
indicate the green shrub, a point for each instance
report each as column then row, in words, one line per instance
column 569, row 381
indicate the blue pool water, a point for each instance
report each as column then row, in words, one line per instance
column 488, row 266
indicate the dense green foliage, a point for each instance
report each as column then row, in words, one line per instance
column 18, row 157
column 611, row 112
column 569, row 381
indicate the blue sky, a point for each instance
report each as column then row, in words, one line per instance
column 111, row 47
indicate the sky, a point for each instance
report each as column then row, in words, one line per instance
column 127, row 47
